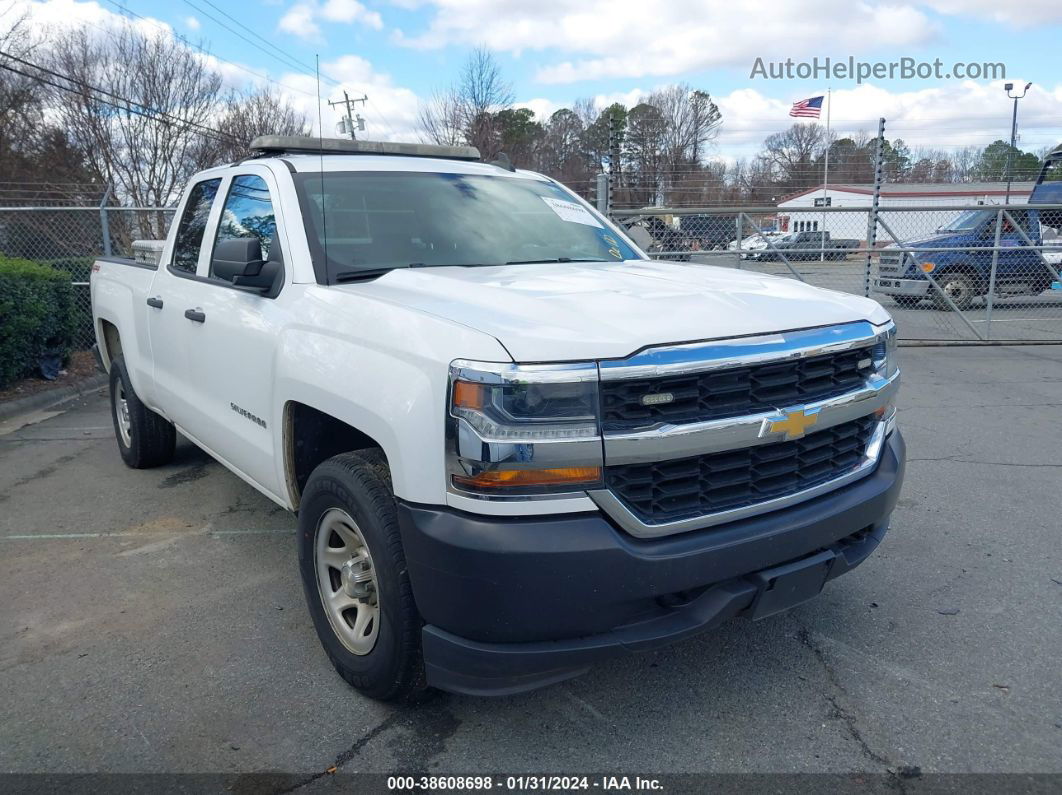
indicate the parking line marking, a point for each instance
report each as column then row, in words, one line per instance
column 76, row 536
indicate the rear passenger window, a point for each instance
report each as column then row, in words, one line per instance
column 248, row 213
column 193, row 223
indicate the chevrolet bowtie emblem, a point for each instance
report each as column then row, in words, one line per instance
column 795, row 424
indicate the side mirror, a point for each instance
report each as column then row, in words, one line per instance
column 237, row 257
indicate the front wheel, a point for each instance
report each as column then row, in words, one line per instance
column 354, row 576
column 959, row 287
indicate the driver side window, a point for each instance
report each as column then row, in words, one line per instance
column 248, row 213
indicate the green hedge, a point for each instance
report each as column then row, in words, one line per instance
column 36, row 316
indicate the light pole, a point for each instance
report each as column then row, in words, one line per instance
column 1013, row 131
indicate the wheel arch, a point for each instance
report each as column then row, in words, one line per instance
column 110, row 339
column 312, row 436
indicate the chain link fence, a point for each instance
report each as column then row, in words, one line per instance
column 945, row 272
column 70, row 238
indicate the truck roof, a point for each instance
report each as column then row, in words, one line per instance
column 302, row 144
column 306, row 154
column 328, row 163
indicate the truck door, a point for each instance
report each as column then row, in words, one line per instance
column 1017, row 263
column 234, row 338
column 172, row 291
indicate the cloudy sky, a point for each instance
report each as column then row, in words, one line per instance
column 554, row 51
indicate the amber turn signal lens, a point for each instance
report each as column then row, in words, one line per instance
column 928, row 267
column 517, row 478
column 468, row 395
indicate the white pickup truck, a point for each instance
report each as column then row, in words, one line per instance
column 515, row 445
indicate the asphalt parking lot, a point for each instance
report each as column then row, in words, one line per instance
column 154, row 621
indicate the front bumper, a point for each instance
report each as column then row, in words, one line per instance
column 914, row 287
column 517, row 603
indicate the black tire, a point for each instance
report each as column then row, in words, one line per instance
column 907, row 301
column 359, row 484
column 151, row 438
column 960, row 288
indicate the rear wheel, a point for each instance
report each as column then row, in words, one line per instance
column 354, row 576
column 144, row 438
column 959, row 287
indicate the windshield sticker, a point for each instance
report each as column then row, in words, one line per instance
column 613, row 246
column 571, row 211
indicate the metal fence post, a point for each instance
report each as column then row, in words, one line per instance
column 740, row 237
column 105, row 228
column 992, row 275
column 602, row 193
column 872, row 219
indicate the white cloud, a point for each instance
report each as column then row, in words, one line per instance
column 192, row 23
column 543, row 108
column 943, row 117
column 390, row 114
column 65, row 14
column 633, row 38
column 302, row 18
column 1028, row 13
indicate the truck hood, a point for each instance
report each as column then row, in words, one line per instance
column 930, row 241
column 580, row 311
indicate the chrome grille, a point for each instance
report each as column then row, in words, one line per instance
column 892, row 264
column 666, row 491
column 732, row 392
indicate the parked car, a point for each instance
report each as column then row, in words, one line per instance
column 963, row 271
column 755, row 242
column 813, row 245
column 516, row 446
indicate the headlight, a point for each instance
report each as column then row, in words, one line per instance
column 884, row 352
column 523, row 430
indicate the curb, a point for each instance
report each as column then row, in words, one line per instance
column 51, row 397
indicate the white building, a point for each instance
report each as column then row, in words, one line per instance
column 908, row 225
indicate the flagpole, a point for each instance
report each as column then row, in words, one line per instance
column 826, row 173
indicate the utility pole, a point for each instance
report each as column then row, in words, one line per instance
column 1013, row 132
column 350, row 126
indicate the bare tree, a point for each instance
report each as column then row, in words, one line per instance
column 792, row 153
column 440, row 118
column 245, row 117
column 149, row 148
column 691, row 121
column 466, row 110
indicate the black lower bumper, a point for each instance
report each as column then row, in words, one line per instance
column 511, row 604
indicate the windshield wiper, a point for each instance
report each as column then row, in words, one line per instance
column 371, row 273
column 363, row 275
column 557, row 259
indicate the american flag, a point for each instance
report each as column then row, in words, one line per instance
column 810, row 108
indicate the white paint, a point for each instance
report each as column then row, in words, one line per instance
column 376, row 355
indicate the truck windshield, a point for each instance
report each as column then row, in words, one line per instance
column 966, row 221
column 376, row 221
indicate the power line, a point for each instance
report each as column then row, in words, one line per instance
column 149, row 113
column 290, row 62
column 184, row 40
column 305, row 67
column 384, row 118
